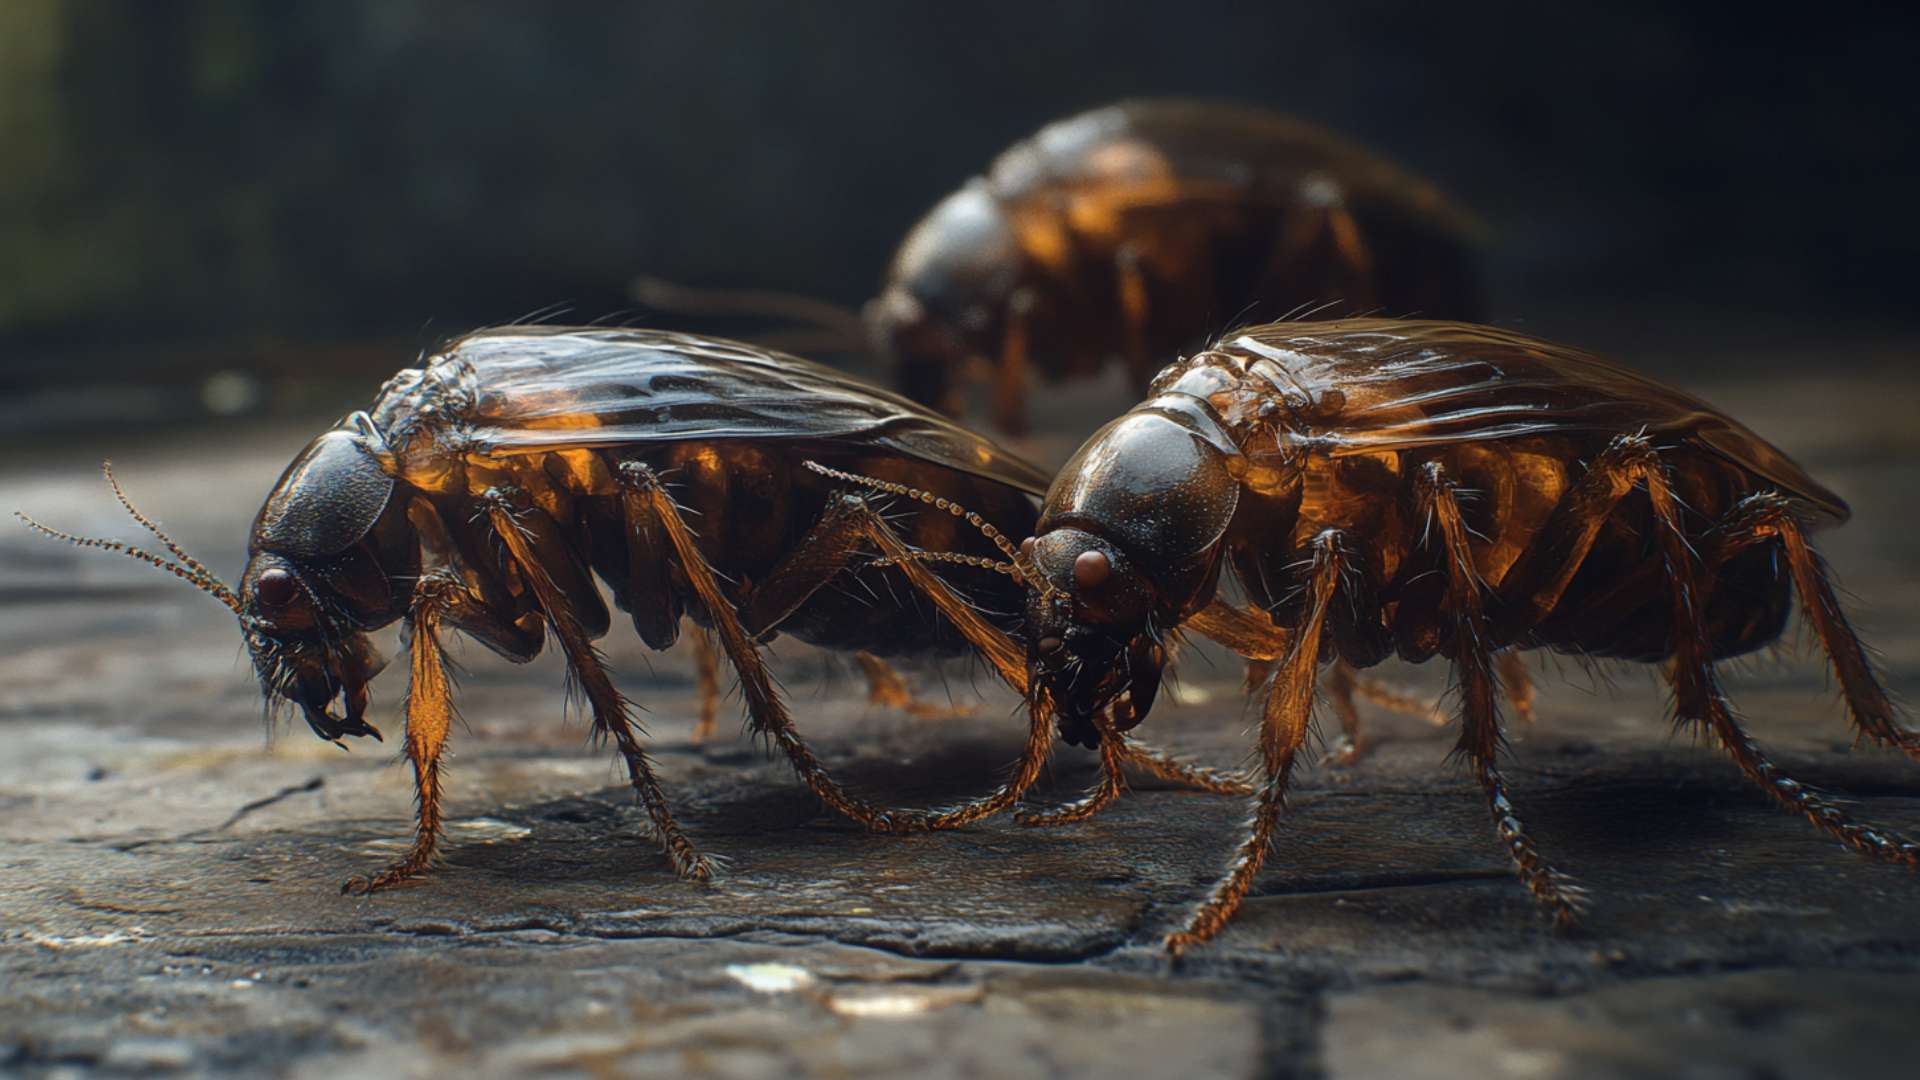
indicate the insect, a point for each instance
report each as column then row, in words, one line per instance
column 1138, row 230
column 1432, row 489
column 484, row 491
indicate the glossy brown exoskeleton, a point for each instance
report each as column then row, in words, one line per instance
column 1423, row 489
column 484, row 491
column 1138, row 231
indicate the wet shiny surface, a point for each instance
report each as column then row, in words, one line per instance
column 140, row 930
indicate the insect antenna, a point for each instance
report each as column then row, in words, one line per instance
column 1024, row 571
column 191, row 563
column 951, row 557
column 188, row 569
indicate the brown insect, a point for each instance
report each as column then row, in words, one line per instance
column 1138, row 230
column 484, row 492
column 1428, row 489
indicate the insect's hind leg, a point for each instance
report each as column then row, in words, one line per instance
column 1768, row 517
column 531, row 538
column 1480, row 736
column 1285, row 721
column 1698, row 696
column 429, row 713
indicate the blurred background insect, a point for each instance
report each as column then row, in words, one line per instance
column 1139, row 231
column 484, row 491
column 1426, row 489
column 1129, row 233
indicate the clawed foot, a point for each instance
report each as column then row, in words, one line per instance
column 399, row 873
column 1065, row 815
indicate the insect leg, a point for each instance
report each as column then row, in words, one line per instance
column 1112, row 782
column 707, row 669
column 532, row 539
column 1253, row 635
column 1283, row 731
column 1135, row 310
column 1534, row 584
column 827, row 549
column 1010, row 372
column 646, row 497
column 1340, row 687
column 1517, row 683
column 1322, row 212
column 1767, row 517
column 1250, row 633
column 886, row 688
column 429, row 711
column 1158, row 763
column 1006, row 656
column 1698, row 697
column 1473, row 666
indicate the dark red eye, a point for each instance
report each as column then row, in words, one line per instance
column 1090, row 570
column 275, row 588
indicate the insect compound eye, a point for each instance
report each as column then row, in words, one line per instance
column 276, row 588
column 1091, row 569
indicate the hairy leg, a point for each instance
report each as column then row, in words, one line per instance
column 1767, row 517
column 647, row 502
column 1285, row 721
column 429, row 712
column 1254, row 636
column 1480, row 736
column 1699, row 698
column 532, row 540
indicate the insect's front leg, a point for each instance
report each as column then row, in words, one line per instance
column 1254, row 636
column 534, row 543
column 429, row 712
column 1285, row 721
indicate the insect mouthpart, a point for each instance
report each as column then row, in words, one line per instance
column 311, row 675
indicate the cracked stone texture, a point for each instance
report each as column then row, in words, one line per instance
column 146, row 929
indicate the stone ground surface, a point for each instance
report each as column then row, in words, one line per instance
column 150, row 922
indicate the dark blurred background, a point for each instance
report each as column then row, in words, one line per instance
column 216, row 207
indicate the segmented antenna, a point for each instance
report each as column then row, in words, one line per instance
column 188, row 569
column 951, row 557
column 1024, row 571
column 191, row 563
